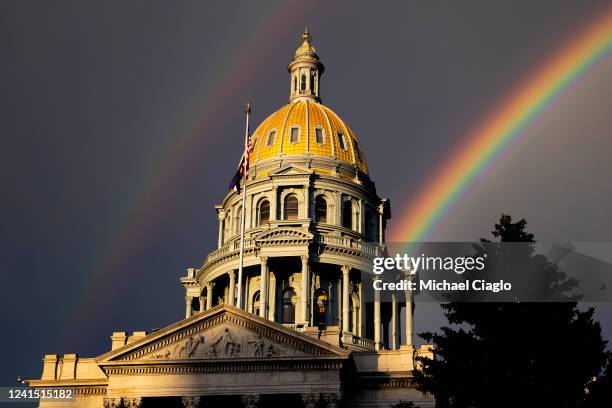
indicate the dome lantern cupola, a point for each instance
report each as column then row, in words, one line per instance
column 306, row 70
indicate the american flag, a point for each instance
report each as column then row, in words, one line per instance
column 243, row 167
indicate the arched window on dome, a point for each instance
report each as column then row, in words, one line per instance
column 289, row 300
column 263, row 213
column 294, row 135
column 347, row 214
column 303, row 83
column 291, row 207
column 321, row 305
column 294, row 84
column 319, row 135
column 341, row 140
column 270, row 139
column 320, row 209
column 238, row 220
column 255, row 303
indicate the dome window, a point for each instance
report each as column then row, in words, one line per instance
column 320, row 209
column 319, row 136
column 264, row 212
column 294, row 136
column 341, row 140
column 303, row 83
column 271, row 137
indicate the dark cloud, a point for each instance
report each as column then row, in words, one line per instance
column 91, row 93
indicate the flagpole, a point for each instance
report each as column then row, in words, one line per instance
column 242, row 217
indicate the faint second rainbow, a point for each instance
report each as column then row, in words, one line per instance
column 498, row 129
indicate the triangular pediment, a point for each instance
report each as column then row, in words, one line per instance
column 291, row 170
column 223, row 332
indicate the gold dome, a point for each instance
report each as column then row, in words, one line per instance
column 317, row 131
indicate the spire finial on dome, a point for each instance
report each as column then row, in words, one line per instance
column 306, row 70
column 306, row 36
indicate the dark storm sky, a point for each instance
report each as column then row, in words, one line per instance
column 95, row 97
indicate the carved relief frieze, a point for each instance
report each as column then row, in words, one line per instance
column 223, row 342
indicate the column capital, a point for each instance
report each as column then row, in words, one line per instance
column 210, row 284
column 345, row 269
column 304, row 258
column 250, row 401
column 133, row 402
column 111, row 402
column 309, row 400
column 231, row 274
column 190, row 402
column 264, row 259
column 331, row 400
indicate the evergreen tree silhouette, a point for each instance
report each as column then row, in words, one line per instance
column 515, row 354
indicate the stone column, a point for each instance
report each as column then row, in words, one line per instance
column 274, row 204
column 209, row 294
column 263, row 291
column 381, row 218
column 307, row 195
column 361, row 327
column 187, row 307
column 409, row 320
column 272, row 296
column 191, row 402
column 250, row 401
column 394, row 326
column 377, row 344
column 345, row 298
column 305, row 298
column 232, row 287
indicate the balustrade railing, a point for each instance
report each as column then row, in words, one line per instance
column 332, row 240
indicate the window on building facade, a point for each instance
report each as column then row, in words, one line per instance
column 303, row 83
column 321, row 305
column 312, row 81
column 264, row 212
column 341, row 141
column 238, row 220
column 291, row 208
column 271, row 137
column 347, row 214
column 319, row 137
column 320, row 209
column 294, row 137
column 256, row 303
column 289, row 300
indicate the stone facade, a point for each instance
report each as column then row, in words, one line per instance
column 304, row 335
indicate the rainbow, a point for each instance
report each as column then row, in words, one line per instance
column 501, row 127
column 159, row 184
